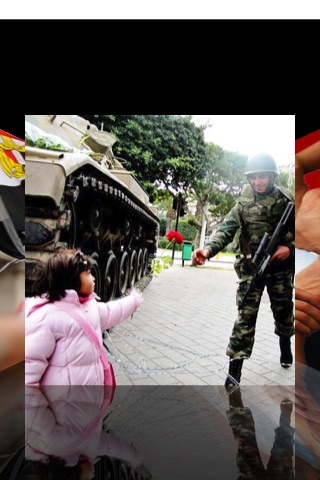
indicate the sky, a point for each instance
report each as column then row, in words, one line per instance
column 250, row 134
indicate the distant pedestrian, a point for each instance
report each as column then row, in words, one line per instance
column 258, row 211
column 64, row 324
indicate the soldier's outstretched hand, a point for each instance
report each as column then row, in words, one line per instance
column 200, row 255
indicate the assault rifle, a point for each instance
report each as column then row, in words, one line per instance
column 268, row 246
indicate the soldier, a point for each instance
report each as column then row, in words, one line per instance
column 257, row 211
column 249, row 462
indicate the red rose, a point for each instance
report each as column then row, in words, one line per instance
column 174, row 236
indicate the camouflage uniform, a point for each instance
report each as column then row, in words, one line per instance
column 250, row 465
column 254, row 214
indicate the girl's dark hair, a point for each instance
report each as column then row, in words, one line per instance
column 59, row 273
column 52, row 469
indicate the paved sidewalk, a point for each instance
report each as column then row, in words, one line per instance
column 180, row 333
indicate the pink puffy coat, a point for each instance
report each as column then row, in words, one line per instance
column 58, row 351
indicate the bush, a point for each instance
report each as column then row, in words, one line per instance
column 189, row 232
column 163, row 243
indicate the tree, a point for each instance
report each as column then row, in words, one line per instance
column 164, row 205
column 168, row 155
column 217, row 192
column 163, row 151
column 285, row 180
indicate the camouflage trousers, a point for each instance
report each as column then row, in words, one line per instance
column 249, row 462
column 279, row 285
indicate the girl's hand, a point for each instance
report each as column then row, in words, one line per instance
column 137, row 296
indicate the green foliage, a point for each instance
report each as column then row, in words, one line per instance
column 284, row 180
column 160, row 150
column 158, row 264
column 163, row 243
column 221, row 203
column 187, row 230
column 224, row 177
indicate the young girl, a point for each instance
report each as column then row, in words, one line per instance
column 64, row 324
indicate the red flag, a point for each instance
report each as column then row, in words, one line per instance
column 12, row 191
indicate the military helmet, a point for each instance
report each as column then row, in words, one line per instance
column 262, row 162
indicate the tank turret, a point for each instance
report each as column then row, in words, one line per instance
column 79, row 195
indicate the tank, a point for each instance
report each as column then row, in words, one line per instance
column 79, row 195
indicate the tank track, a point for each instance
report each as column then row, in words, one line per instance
column 102, row 218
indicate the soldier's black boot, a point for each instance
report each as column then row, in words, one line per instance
column 235, row 367
column 286, row 358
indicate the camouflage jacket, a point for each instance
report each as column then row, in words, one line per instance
column 254, row 215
